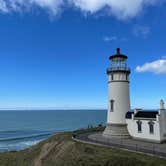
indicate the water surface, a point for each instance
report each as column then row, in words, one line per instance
column 21, row 129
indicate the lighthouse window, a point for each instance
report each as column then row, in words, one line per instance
column 112, row 105
column 151, row 127
column 112, row 77
column 139, row 125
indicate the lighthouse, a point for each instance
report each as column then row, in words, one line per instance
column 118, row 96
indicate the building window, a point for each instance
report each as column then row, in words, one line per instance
column 112, row 77
column 111, row 105
column 126, row 77
column 151, row 127
column 139, row 125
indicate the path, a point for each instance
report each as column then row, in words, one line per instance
column 127, row 144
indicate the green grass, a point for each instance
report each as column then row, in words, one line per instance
column 61, row 150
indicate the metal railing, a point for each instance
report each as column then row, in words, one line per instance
column 153, row 149
column 118, row 69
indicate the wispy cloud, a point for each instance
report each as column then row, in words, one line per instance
column 110, row 39
column 121, row 9
column 52, row 6
column 3, row 7
column 157, row 67
column 141, row 31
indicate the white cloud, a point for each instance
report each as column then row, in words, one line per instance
column 3, row 6
column 157, row 67
column 141, row 31
column 52, row 6
column 110, row 39
column 122, row 9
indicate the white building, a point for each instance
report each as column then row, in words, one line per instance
column 147, row 125
column 121, row 122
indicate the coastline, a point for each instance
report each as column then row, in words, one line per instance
column 20, row 129
column 61, row 149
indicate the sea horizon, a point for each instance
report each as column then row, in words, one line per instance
column 45, row 109
column 22, row 129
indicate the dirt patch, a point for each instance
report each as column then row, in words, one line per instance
column 58, row 148
column 44, row 152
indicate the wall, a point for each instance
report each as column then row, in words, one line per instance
column 145, row 134
column 118, row 76
column 119, row 92
column 162, row 120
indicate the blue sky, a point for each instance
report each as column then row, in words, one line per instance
column 54, row 53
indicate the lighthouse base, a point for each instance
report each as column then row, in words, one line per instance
column 116, row 131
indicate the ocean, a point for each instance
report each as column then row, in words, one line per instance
column 21, row 129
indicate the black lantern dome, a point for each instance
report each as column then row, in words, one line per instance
column 118, row 63
column 118, row 55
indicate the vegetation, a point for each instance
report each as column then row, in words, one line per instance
column 61, row 150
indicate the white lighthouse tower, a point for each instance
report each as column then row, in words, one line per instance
column 118, row 96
